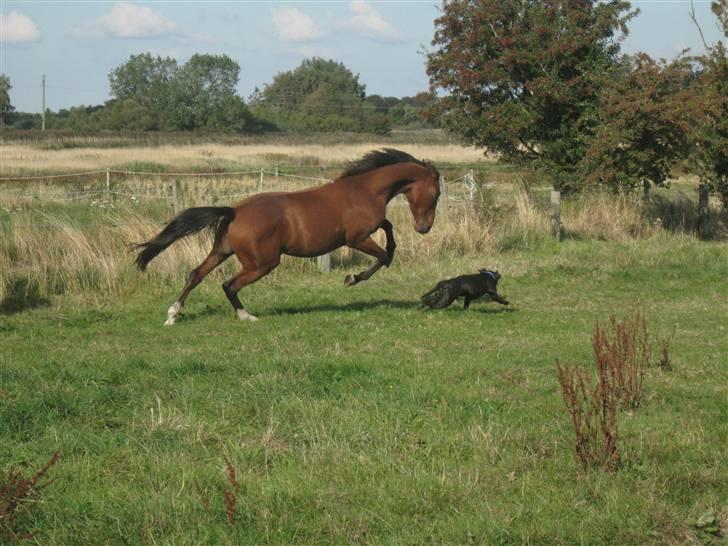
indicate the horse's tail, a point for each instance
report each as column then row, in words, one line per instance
column 185, row 223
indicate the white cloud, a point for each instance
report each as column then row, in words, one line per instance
column 292, row 25
column 308, row 51
column 133, row 21
column 368, row 22
column 16, row 27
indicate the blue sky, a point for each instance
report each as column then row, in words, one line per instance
column 77, row 43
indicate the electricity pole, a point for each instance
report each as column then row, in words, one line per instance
column 42, row 114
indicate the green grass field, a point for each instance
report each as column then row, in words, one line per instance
column 350, row 416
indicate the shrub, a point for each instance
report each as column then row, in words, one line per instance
column 623, row 357
column 593, row 410
column 15, row 493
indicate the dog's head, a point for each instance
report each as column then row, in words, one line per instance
column 490, row 273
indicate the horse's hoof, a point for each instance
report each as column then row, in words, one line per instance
column 172, row 313
column 244, row 315
column 350, row 280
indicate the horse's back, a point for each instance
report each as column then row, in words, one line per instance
column 304, row 223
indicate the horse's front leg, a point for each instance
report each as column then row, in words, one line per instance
column 368, row 246
column 391, row 245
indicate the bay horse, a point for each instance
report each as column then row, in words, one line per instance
column 305, row 223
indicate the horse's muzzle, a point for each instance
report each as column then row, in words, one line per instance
column 423, row 229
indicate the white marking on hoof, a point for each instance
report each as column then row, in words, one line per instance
column 172, row 313
column 244, row 315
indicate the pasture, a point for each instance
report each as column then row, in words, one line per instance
column 347, row 415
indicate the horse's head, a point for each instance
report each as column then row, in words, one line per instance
column 418, row 180
column 422, row 195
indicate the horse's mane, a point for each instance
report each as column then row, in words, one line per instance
column 380, row 158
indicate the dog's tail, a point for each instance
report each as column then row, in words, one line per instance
column 186, row 223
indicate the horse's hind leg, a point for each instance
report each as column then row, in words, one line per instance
column 244, row 278
column 214, row 259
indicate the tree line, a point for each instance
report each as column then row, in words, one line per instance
column 153, row 93
column 542, row 84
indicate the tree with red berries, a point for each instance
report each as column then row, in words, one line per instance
column 523, row 79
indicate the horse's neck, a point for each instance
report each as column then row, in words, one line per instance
column 392, row 180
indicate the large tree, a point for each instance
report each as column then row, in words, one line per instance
column 320, row 95
column 206, row 96
column 524, row 78
column 149, row 82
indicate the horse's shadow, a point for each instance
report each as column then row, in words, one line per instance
column 22, row 294
column 356, row 306
column 351, row 306
column 359, row 306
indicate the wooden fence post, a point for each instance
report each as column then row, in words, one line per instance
column 324, row 263
column 556, row 214
column 260, row 182
column 175, row 196
column 108, row 184
column 703, row 195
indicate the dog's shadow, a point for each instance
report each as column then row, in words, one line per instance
column 479, row 310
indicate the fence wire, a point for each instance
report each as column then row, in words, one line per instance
column 460, row 190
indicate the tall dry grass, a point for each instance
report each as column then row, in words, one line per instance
column 607, row 217
column 51, row 251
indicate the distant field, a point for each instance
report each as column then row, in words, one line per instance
column 25, row 156
column 348, row 415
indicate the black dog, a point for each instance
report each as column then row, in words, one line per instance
column 469, row 287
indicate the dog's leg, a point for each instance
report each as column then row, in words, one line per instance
column 466, row 302
column 495, row 297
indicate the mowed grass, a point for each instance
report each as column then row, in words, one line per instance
column 350, row 416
